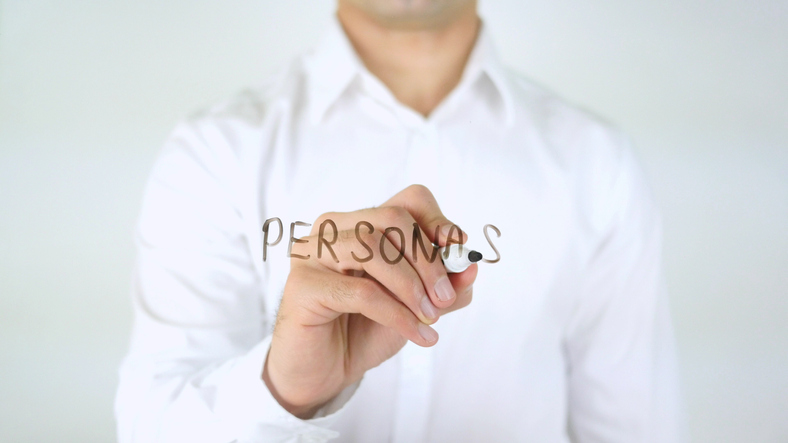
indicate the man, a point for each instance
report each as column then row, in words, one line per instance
column 280, row 295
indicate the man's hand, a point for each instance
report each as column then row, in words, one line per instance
column 340, row 317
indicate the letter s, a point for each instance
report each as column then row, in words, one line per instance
column 487, row 236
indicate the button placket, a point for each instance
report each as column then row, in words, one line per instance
column 423, row 155
column 414, row 393
column 415, row 363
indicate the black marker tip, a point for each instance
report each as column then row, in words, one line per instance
column 474, row 256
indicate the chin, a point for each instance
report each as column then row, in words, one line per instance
column 413, row 13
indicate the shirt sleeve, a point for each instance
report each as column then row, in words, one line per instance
column 200, row 337
column 622, row 373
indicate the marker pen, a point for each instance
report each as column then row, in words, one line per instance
column 456, row 262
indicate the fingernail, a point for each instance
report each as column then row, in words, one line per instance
column 428, row 333
column 444, row 289
column 428, row 309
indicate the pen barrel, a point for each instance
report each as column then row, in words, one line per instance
column 455, row 257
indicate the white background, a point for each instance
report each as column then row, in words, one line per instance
column 89, row 90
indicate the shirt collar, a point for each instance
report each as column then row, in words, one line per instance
column 333, row 65
column 330, row 68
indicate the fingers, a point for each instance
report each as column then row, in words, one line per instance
column 396, row 275
column 393, row 244
column 337, row 293
column 463, row 284
column 421, row 255
column 410, row 239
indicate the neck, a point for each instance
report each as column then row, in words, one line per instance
column 419, row 65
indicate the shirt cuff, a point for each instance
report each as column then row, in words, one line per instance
column 251, row 412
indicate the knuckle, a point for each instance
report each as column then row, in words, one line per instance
column 346, row 235
column 399, row 320
column 323, row 217
column 420, row 191
column 364, row 290
column 339, row 291
column 328, row 215
column 393, row 215
column 417, row 291
column 429, row 273
column 370, row 238
column 346, row 241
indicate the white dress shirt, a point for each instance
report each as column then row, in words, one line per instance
column 568, row 337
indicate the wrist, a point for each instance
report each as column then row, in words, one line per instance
column 301, row 406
